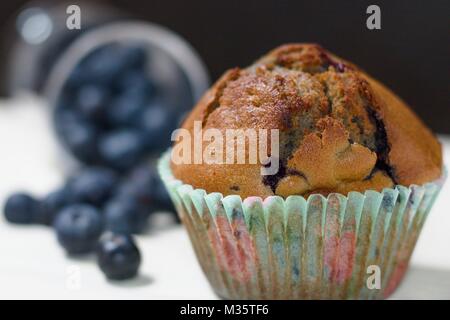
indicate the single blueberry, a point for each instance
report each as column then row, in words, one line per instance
column 126, row 108
column 92, row 185
column 121, row 149
column 79, row 136
column 124, row 216
column 76, row 77
column 92, row 101
column 104, row 64
column 144, row 186
column 51, row 205
column 21, row 208
column 78, row 228
column 138, row 185
column 118, row 256
column 162, row 197
column 157, row 124
column 136, row 82
column 129, row 191
column 64, row 117
column 134, row 55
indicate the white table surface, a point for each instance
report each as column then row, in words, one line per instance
column 32, row 265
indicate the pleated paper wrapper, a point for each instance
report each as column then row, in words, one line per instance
column 337, row 247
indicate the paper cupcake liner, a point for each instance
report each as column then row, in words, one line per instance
column 297, row 248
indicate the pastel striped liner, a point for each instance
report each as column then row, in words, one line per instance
column 297, row 248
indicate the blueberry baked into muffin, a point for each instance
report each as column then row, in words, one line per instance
column 340, row 129
column 358, row 174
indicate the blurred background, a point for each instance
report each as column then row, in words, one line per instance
column 85, row 114
column 409, row 53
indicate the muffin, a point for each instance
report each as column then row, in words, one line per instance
column 357, row 174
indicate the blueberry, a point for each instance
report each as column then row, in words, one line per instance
column 51, row 205
column 125, row 109
column 65, row 115
column 78, row 228
column 129, row 191
column 20, row 208
column 162, row 197
column 134, row 55
column 104, row 64
column 92, row 101
column 118, row 256
column 124, row 216
column 121, row 149
column 138, row 186
column 136, row 82
column 144, row 186
column 92, row 185
column 156, row 124
column 76, row 77
column 78, row 135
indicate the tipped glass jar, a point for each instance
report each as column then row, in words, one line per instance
column 117, row 87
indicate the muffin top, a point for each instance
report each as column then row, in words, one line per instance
column 339, row 129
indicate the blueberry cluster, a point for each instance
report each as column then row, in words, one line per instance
column 91, row 202
column 111, row 117
column 111, row 112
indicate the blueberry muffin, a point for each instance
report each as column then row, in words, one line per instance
column 358, row 174
column 340, row 130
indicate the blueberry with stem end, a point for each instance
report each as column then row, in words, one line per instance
column 118, row 256
column 78, row 228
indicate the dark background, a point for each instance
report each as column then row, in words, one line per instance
column 409, row 54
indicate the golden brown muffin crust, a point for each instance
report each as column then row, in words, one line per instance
column 340, row 130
